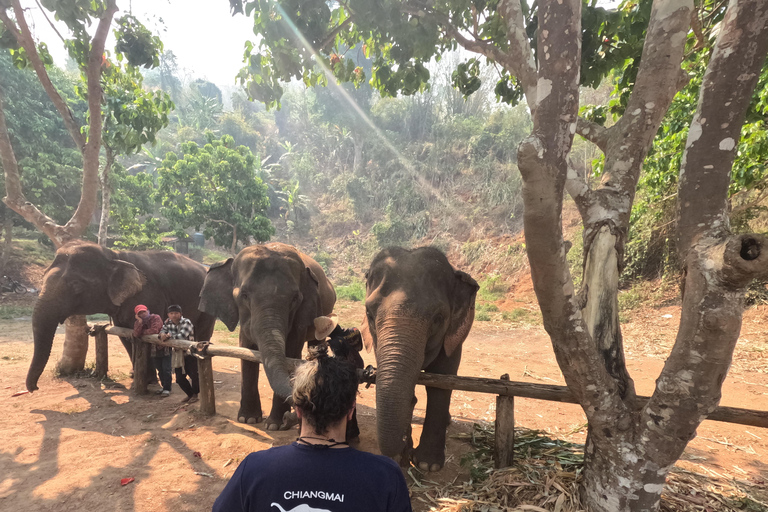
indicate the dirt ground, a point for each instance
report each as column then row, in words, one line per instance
column 68, row 445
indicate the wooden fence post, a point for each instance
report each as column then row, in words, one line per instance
column 207, row 395
column 505, row 429
column 102, row 354
column 141, row 355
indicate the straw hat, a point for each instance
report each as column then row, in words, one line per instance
column 324, row 325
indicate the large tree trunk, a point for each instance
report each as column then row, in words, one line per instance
column 628, row 453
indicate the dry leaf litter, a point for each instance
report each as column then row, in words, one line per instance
column 546, row 475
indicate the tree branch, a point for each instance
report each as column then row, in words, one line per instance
column 726, row 93
column 25, row 40
column 543, row 163
column 594, row 133
column 90, row 189
column 718, row 266
column 520, row 49
column 330, row 37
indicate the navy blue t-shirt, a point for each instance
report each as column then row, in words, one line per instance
column 302, row 478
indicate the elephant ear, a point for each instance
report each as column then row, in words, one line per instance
column 462, row 311
column 125, row 281
column 309, row 309
column 216, row 296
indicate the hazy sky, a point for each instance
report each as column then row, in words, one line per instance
column 205, row 38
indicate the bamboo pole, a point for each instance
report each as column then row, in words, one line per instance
column 499, row 387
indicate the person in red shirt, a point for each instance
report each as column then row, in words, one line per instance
column 147, row 323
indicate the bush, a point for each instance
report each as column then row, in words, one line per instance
column 492, row 288
column 482, row 316
column 323, row 259
column 354, row 291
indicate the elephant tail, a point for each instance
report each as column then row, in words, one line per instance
column 278, row 506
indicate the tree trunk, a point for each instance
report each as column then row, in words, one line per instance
column 75, row 346
column 8, row 234
column 233, row 249
column 106, row 194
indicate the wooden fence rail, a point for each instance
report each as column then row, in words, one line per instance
column 503, row 388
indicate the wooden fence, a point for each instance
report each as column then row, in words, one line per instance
column 504, row 389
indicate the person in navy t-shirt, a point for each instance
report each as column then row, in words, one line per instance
column 319, row 472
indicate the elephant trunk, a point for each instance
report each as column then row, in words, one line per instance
column 45, row 319
column 269, row 334
column 399, row 356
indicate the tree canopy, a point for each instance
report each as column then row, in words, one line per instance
column 215, row 187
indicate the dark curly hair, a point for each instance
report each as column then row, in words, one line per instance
column 324, row 388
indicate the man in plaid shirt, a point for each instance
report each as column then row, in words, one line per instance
column 179, row 328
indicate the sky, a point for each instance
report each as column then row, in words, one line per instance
column 206, row 39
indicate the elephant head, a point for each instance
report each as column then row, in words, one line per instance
column 419, row 311
column 274, row 292
column 74, row 284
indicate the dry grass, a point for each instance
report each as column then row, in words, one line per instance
column 546, row 476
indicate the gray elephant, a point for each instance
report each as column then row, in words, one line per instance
column 86, row 279
column 275, row 292
column 419, row 310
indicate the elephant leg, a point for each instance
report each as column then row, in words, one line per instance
column 277, row 419
column 430, row 454
column 250, row 402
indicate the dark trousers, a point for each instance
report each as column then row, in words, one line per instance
column 190, row 366
column 163, row 367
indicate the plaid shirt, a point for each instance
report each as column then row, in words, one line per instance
column 184, row 331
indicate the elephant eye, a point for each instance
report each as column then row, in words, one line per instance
column 438, row 319
column 370, row 316
column 243, row 296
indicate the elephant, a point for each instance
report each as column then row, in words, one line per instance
column 86, row 279
column 419, row 310
column 275, row 292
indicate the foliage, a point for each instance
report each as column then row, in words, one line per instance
column 132, row 211
column 492, row 288
column 354, row 291
column 50, row 165
column 215, row 186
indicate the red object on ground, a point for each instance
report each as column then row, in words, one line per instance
column 198, row 454
column 126, row 481
column 19, row 393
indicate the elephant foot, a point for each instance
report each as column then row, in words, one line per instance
column 272, row 424
column 290, row 419
column 249, row 417
column 428, row 460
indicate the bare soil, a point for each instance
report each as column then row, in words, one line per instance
column 68, row 445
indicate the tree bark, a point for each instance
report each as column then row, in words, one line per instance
column 74, row 352
column 8, row 235
column 106, row 195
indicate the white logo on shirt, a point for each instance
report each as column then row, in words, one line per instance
column 301, row 508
